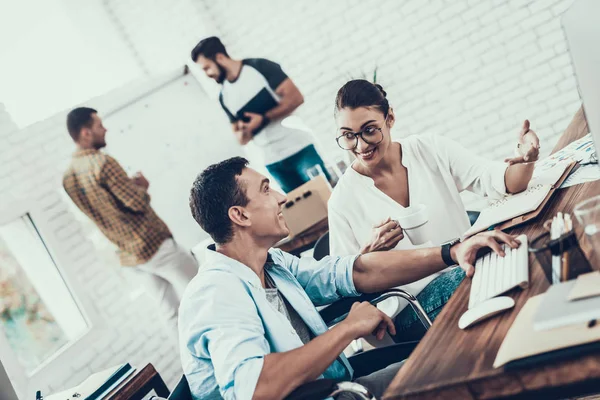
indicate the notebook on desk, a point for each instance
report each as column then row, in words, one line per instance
column 524, row 347
column 586, row 286
column 518, row 208
column 556, row 310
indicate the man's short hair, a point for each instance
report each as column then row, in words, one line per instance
column 79, row 118
column 213, row 193
column 209, row 48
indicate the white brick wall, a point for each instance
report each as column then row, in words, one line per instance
column 470, row 70
column 32, row 162
column 161, row 34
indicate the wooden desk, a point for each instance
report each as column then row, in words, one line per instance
column 305, row 240
column 139, row 385
column 450, row 363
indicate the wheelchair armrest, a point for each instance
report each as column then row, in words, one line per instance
column 325, row 388
column 338, row 310
column 367, row 362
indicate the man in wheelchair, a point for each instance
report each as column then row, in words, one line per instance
column 248, row 322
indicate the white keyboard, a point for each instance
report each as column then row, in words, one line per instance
column 495, row 275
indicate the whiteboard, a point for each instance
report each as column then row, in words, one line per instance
column 170, row 133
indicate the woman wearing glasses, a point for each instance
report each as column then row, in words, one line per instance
column 389, row 176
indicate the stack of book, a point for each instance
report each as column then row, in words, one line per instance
column 96, row 386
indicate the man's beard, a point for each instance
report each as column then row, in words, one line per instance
column 99, row 144
column 222, row 73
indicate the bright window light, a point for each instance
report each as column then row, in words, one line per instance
column 38, row 314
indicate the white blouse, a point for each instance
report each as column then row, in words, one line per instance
column 438, row 170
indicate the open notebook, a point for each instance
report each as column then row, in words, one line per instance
column 545, row 180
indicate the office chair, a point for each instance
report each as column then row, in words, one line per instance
column 319, row 389
column 321, row 248
column 473, row 215
column 340, row 308
column 363, row 363
column 181, row 391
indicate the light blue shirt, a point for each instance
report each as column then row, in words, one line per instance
column 227, row 326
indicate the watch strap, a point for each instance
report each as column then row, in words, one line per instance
column 446, row 252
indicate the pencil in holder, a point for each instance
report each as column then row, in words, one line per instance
column 573, row 261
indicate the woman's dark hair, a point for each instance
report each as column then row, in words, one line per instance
column 213, row 193
column 362, row 93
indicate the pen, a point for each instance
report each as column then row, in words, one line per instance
column 565, row 266
column 555, row 259
column 565, row 256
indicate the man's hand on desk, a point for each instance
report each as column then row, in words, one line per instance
column 465, row 253
column 528, row 146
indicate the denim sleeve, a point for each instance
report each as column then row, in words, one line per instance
column 324, row 281
column 220, row 322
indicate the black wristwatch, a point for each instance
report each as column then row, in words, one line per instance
column 446, row 252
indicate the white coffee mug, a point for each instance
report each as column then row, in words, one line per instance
column 414, row 223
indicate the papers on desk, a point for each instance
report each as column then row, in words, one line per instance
column 548, row 172
column 585, row 173
column 579, row 150
column 511, row 206
column 584, row 152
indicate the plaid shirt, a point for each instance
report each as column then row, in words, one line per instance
column 99, row 186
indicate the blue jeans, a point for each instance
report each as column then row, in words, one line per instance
column 433, row 298
column 291, row 172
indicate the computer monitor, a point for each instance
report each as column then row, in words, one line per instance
column 581, row 24
column 7, row 392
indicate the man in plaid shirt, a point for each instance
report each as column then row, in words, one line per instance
column 120, row 207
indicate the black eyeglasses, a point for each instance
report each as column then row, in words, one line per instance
column 370, row 135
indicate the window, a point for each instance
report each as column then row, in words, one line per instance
column 39, row 316
column 55, row 29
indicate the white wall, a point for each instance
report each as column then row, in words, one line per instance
column 56, row 53
column 32, row 162
column 162, row 34
column 33, row 159
column 169, row 136
column 471, row 70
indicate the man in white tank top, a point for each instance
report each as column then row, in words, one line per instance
column 257, row 95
